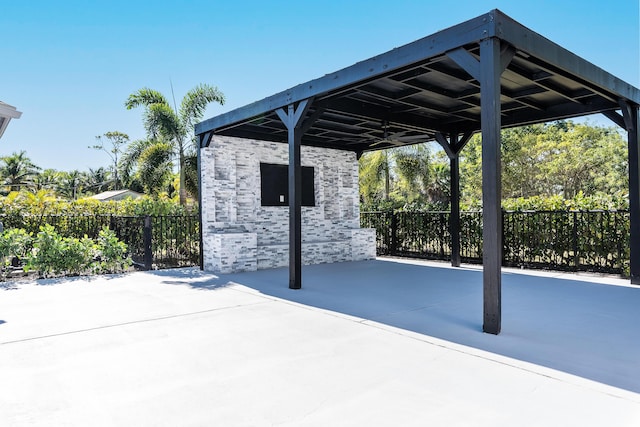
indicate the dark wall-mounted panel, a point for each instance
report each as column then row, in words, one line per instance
column 274, row 187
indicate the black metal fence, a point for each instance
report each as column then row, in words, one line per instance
column 163, row 241
column 557, row 240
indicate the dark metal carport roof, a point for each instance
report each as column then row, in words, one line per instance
column 484, row 74
column 422, row 88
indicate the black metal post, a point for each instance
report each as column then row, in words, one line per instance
column 200, row 219
column 394, row 234
column 454, row 219
column 295, row 206
column 292, row 119
column 632, row 120
column 490, row 71
column 146, row 238
column 576, row 256
column 453, row 146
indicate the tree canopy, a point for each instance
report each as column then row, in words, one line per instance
column 169, row 128
column 561, row 159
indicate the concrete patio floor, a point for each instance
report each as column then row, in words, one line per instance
column 374, row 343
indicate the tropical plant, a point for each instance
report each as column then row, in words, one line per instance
column 53, row 254
column 113, row 252
column 375, row 177
column 99, row 180
column 117, row 141
column 396, row 177
column 173, row 126
column 14, row 243
column 48, row 179
column 71, row 184
column 18, row 171
column 47, row 256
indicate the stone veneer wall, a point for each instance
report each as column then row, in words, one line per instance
column 241, row 235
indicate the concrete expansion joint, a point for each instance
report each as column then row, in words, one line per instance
column 133, row 322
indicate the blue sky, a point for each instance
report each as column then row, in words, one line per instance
column 70, row 65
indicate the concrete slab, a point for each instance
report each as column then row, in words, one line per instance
column 372, row 343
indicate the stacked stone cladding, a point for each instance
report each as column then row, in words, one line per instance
column 231, row 205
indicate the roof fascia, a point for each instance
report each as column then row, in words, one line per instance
column 9, row 111
column 434, row 45
column 532, row 43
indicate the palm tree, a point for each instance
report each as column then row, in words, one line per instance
column 175, row 126
column 375, row 177
column 99, row 180
column 18, row 171
column 70, row 184
column 48, row 179
column 147, row 165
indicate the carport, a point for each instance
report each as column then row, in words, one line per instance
column 479, row 76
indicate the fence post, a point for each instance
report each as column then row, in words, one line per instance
column 443, row 226
column 504, row 243
column 148, row 253
column 576, row 257
column 394, row 234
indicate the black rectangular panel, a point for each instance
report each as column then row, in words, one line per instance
column 274, row 190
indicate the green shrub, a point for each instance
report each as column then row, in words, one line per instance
column 54, row 255
column 17, row 206
column 47, row 255
column 113, row 252
column 78, row 256
column 13, row 243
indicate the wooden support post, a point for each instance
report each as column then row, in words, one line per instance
column 295, row 210
column 292, row 119
column 490, row 71
column 632, row 120
column 453, row 146
column 454, row 219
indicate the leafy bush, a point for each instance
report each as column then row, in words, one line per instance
column 19, row 204
column 112, row 251
column 78, row 255
column 47, row 256
column 14, row 243
column 54, row 255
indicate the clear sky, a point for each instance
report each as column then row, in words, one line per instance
column 69, row 65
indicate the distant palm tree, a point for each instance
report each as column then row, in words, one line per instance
column 99, row 180
column 70, row 185
column 48, row 179
column 174, row 126
column 18, row 171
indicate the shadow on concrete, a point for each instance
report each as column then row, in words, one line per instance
column 192, row 277
column 583, row 328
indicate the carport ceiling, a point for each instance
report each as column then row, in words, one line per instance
column 407, row 95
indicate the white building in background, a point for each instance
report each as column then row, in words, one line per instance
column 7, row 112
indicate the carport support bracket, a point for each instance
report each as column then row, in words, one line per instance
column 293, row 121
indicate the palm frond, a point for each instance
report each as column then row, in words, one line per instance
column 195, row 103
column 145, row 97
column 154, row 166
column 162, row 121
column 130, row 158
